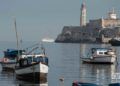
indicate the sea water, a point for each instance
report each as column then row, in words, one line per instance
column 65, row 63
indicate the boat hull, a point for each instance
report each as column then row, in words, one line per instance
column 8, row 66
column 104, row 60
column 33, row 73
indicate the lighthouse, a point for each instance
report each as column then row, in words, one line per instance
column 83, row 15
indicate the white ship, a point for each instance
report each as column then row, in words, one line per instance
column 48, row 40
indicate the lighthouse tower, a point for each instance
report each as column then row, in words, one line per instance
column 83, row 15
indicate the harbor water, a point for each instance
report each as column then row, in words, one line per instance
column 65, row 63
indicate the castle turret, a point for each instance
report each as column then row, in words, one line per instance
column 83, row 15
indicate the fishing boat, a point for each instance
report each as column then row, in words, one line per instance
column 10, row 58
column 101, row 55
column 32, row 67
column 8, row 62
column 115, row 41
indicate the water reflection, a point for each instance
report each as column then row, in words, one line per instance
column 65, row 62
column 97, row 73
column 83, row 50
column 45, row 84
column 23, row 83
column 10, row 78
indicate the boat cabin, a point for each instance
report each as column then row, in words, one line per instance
column 102, row 51
column 27, row 60
column 13, row 53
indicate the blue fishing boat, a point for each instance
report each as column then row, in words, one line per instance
column 8, row 62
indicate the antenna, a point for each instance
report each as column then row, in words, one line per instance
column 113, row 10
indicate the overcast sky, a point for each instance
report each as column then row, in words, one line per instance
column 37, row 19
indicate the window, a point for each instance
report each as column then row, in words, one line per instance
column 100, row 52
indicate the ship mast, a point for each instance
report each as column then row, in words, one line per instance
column 16, row 38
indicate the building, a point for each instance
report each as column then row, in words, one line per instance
column 83, row 15
column 110, row 22
column 96, row 31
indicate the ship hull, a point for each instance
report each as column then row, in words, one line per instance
column 33, row 73
column 8, row 66
column 105, row 60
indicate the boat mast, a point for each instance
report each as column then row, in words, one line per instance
column 43, row 49
column 16, row 38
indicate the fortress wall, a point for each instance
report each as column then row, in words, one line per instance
column 111, row 22
column 95, row 23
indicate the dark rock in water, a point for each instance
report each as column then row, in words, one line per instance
column 114, row 84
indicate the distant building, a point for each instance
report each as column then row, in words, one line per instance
column 99, row 30
column 110, row 22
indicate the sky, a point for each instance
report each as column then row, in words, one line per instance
column 37, row 19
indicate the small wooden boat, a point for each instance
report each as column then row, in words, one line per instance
column 32, row 68
column 76, row 83
column 101, row 55
column 8, row 62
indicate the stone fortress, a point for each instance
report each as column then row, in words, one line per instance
column 95, row 31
